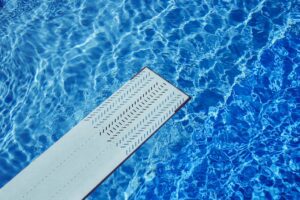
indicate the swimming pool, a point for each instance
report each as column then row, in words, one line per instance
column 238, row 137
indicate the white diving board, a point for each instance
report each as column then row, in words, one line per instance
column 85, row 156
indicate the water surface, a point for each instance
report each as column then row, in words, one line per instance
column 238, row 138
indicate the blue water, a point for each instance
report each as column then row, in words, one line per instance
column 239, row 136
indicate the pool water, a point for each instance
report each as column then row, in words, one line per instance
column 238, row 137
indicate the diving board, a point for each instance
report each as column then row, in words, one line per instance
column 86, row 155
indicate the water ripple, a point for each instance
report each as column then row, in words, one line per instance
column 240, row 62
